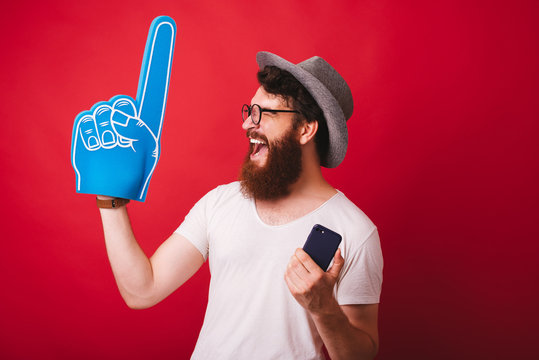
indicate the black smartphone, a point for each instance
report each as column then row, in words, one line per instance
column 321, row 245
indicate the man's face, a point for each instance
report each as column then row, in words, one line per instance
column 273, row 161
column 272, row 126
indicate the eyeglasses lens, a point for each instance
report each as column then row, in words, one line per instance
column 253, row 111
column 255, row 114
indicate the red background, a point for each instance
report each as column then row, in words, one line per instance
column 442, row 157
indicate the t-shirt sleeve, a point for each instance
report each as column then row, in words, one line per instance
column 360, row 281
column 195, row 225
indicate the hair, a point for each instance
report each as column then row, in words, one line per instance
column 282, row 83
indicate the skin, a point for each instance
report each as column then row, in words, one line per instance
column 348, row 331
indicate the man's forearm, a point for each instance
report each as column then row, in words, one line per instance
column 131, row 267
column 341, row 338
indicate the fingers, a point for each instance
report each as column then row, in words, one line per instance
column 298, row 273
column 302, row 270
column 307, row 261
column 107, row 135
column 155, row 73
column 95, row 129
column 124, row 106
column 113, row 123
column 295, row 265
column 294, row 282
column 126, row 123
column 88, row 133
column 338, row 263
column 122, row 110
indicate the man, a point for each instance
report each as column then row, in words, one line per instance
column 268, row 299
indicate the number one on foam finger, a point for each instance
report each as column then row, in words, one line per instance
column 116, row 144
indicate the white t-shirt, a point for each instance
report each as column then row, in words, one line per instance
column 251, row 313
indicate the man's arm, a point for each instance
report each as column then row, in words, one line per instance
column 143, row 281
column 349, row 331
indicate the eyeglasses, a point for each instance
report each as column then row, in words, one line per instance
column 255, row 112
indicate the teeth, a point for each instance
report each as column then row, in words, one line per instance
column 255, row 141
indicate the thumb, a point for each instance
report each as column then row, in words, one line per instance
column 338, row 262
column 126, row 122
column 127, row 126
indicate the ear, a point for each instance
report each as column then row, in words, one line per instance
column 307, row 131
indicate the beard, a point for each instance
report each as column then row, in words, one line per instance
column 272, row 181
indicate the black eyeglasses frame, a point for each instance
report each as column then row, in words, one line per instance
column 261, row 110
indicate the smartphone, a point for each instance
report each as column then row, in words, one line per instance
column 321, row 245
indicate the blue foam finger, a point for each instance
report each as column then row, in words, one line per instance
column 115, row 145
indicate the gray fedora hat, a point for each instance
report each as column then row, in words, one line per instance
column 331, row 93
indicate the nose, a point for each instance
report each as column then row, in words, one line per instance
column 248, row 124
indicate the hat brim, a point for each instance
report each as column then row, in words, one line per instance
column 336, row 122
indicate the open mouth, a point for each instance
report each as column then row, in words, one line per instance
column 258, row 147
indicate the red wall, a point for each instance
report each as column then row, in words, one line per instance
column 443, row 157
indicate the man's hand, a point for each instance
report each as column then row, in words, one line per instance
column 115, row 145
column 310, row 285
column 348, row 332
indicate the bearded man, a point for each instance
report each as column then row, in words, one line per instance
column 268, row 299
